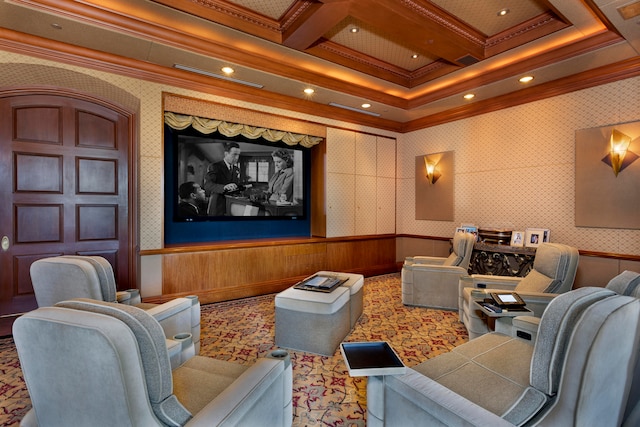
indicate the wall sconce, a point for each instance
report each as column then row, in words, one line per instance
column 432, row 171
column 619, row 156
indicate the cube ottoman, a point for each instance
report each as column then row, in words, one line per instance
column 355, row 283
column 314, row 322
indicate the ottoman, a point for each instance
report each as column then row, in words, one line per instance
column 355, row 283
column 314, row 322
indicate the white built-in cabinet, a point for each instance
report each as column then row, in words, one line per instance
column 361, row 191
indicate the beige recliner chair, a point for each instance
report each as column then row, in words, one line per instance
column 433, row 281
column 569, row 377
column 526, row 327
column 93, row 363
column 62, row 278
column 626, row 283
column 553, row 273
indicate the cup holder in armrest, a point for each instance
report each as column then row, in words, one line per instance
column 187, row 348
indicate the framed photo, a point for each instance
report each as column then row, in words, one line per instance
column 470, row 228
column 517, row 238
column 546, row 234
column 533, row 237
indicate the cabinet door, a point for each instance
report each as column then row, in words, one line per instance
column 340, row 204
column 341, row 151
column 386, row 203
column 340, row 182
column 386, row 185
column 366, row 154
column 386, row 157
column 366, row 205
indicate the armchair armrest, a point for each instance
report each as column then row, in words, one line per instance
column 485, row 281
column 128, row 297
column 170, row 309
column 437, row 269
column 415, row 399
column 537, row 301
column 175, row 317
column 525, row 327
column 429, row 285
column 258, row 397
column 425, row 260
column 174, row 348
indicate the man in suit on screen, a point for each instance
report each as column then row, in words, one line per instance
column 222, row 178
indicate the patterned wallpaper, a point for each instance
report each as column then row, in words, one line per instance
column 515, row 167
column 512, row 167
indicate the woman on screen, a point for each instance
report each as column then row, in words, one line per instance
column 281, row 183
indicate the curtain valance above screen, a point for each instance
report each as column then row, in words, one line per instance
column 207, row 126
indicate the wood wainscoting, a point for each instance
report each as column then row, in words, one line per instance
column 232, row 270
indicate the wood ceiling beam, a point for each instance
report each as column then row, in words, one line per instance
column 315, row 23
column 230, row 15
column 550, row 57
column 422, row 27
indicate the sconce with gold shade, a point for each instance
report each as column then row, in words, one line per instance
column 619, row 156
column 434, row 202
column 431, row 170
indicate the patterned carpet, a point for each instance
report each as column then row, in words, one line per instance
column 324, row 394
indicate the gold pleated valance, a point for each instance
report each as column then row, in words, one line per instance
column 207, row 126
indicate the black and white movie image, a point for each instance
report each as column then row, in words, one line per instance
column 220, row 179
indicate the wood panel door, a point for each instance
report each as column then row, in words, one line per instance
column 65, row 190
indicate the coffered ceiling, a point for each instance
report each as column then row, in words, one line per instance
column 411, row 60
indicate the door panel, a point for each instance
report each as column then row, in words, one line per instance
column 48, row 120
column 48, row 178
column 64, row 185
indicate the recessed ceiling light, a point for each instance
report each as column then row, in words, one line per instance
column 366, row 105
column 469, row 96
column 57, row 26
column 354, row 29
column 503, row 12
column 414, row 56
column 228, row 70
column 525, row 79
column 309, row 91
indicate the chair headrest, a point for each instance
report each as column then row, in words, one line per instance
column 105, row 275
column 556, row 265
column 554, row 333
column 153, row 353
column 625, row 283
column 553, row 259
column 462, row 247
column 61, row 278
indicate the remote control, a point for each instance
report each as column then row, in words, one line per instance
column 492, row 308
